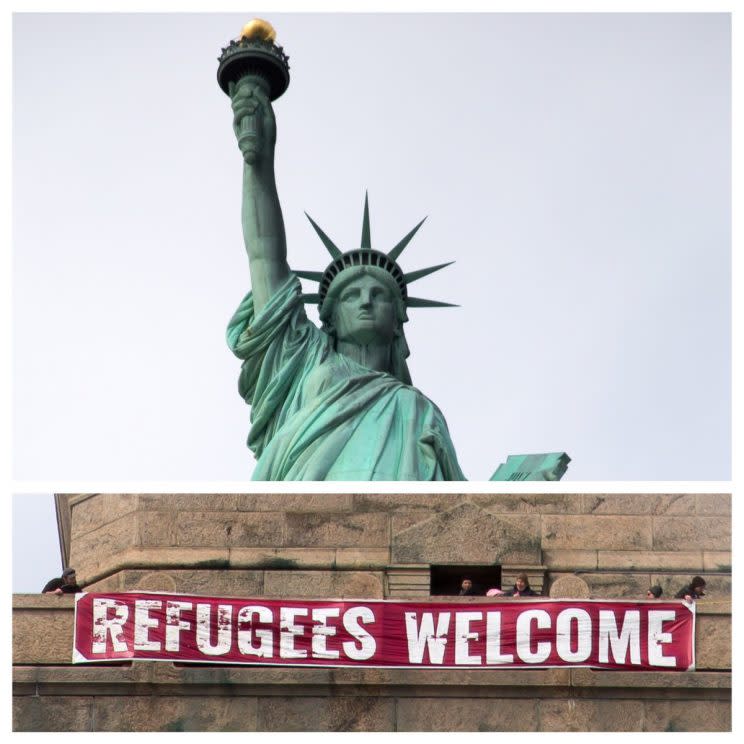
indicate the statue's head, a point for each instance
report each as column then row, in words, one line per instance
column 363, row 305
column 363, row 294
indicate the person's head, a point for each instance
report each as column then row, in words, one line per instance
column 653, row 592
column 522, row 582
column 467, row 585
column 364, row 306
column 698, row 584
column 68, row 576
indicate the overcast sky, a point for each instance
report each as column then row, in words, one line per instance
column 576, row 167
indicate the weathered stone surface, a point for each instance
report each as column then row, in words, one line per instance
column 52, row 713
column 236, row 582
column 713, row 641
column 90, row 550
column 326, row 714
column 639, row 503
column 403, row 520
column 337, row 530
column 572, row 560
column 248, row 680
column 154, row 696
column 108, row 565
column 714, row 504
column 408, row 582
column 282, row 558
column 618, row 585
column 568, row 587
column 687, row 715
column 278, row 502
column 90, row 514
column 465, row 714
column 717, row 560
column 237, row 529
column 529, row 503
column 324, row 584
column 650, row 560
column 295, row 502
column 159, row 529
column 198, row 713
column 654, row 684
column 406, row 502
column 576, row 714
column 682, row 533
column 596, row 533
column 107, row 584
column 362, row 558
column 155, row 581
column 44, row 635
column 201, row 502
column 468, row 534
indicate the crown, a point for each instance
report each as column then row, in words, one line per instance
column 365, row 255
column 254, row 53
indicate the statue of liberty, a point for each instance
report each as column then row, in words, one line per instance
column 335, row 402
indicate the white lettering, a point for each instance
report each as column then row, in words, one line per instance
column 583, row 635
column 656, row 637
column 463, row 635
column 321, row 631
column 103, row 625
column 368, row 645
column 628, row 639
column 174, row 624
column 143, row 622
column 424, row 637
column 524, row 639
column 203, row 629
column 265, row 647
column 493, row 640
column 287, row 616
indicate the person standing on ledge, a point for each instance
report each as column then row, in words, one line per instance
column 694, row 590
column 334, row 403
column 522, row 587
column 65, row 584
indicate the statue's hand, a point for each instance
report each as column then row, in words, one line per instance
column 253, row 122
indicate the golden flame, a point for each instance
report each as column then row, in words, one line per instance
column 258, row 29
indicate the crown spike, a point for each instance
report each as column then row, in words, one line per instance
column 327, row 242
column 412, row 276
column 366, row 240
column 311, row 299
column 404, row 242
column 418, row 302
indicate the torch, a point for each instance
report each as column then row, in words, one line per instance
column 255, row 55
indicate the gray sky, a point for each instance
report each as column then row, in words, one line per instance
column 36, row 554
column 577, row 167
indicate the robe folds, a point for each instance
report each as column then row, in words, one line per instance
column 316, row 414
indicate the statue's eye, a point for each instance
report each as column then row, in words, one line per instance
column 380, row 294
column 350, row 294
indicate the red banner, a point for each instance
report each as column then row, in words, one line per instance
column 517, row 633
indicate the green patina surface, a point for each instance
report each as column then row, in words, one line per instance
column 543, row 467
column 336, row 402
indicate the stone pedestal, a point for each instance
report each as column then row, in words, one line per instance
column 377, row 546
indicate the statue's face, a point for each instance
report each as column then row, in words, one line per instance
column 365, row 312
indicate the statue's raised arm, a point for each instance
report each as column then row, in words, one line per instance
column 335, row 402
column 263, row 227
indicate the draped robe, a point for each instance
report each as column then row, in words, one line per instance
column 317, row 414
